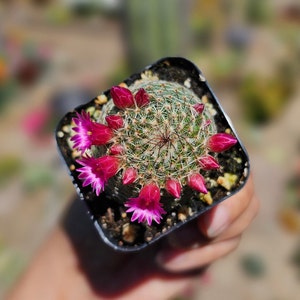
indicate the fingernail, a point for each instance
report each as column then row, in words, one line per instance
column 216, row 222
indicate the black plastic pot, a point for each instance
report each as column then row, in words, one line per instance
column 233, row 161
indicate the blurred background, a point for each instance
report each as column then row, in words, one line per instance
column 57, row 54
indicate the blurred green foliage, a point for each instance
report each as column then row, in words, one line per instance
column 10, row 166
column 253, row 265
column 263, row 99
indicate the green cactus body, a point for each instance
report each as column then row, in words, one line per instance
column 166, row 138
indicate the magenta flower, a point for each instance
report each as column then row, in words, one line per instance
column 146, row 207
column 141, row 98
column 114, row 121
column 207, row 162
column 129, row 176
column 97, row 171
column 199, row 107
column 196, row 182
column 220, row 142
column 122, row 97
column 89, row 133
column 173, row 187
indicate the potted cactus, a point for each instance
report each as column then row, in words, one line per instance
column 152, row 153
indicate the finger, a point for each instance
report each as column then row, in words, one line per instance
column 180, row 261
column 216, row 220
column 242, row 222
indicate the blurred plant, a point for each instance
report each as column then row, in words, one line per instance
column 257, row 11
column 263, row 99
column 10, row 166
column 11, row 264
column 154, row 29
column 289, row 213
column 253, row 265
column 158, row 138
column 295, row 258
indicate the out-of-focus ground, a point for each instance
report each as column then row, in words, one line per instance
column 54, row 57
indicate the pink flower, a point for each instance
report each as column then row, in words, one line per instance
column 196, row 182
column 89, row 133
column 114, row 121
column 97, row 171
column 173, row 187
column 220, row 142
column 141, row 98
column 122, row 97
column 146, row 207
column 207, row 162
column 199, row 107
column 129, row 176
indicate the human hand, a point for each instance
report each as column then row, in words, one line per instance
column 75, row 264
column 215, row 234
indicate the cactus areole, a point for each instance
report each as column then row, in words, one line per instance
column 152, row 153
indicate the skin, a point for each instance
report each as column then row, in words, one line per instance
column 73, row 263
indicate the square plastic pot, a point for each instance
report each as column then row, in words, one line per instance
column 109, row 216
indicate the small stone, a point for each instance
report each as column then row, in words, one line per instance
column 169, row 221
column 66, row 129
column 101, row 99
column 187, row 83
column 75, row 154
column 129, row 233
column 207, row 198
column 90, row 110
column 183, row 213
column 123, row 84
column 227, row 181
column 72, row 167
column 60, row 134
column 181, row 216
column 204, row 99
column 238, row 160
column 227, row 130
column 202, row 78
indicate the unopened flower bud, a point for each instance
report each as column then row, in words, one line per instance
column 141, row 98
column 207, row 162
column 173, row 187
column 221, row 141
column 122, row 97
column 116, row 149
column 196, row 182
column 129, row 176
column 199, row 107
column 114, row 121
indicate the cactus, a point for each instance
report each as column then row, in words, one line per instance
column 154, row 138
